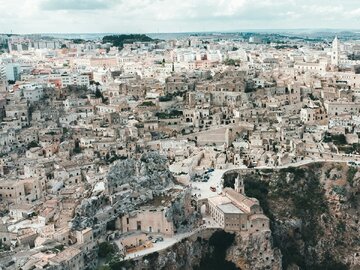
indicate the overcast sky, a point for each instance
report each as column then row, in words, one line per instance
column 142, row 16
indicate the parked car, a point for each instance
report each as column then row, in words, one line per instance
column 160, row 239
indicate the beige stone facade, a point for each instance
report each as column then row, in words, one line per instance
column 150, row 221
column 234, row 211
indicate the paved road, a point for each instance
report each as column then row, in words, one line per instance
column 169, row 241
column 301, row 163
column 203, row 188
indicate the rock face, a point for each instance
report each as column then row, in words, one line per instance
column 183, row 214
column 254, row 251
column 151, row 172
column 314, row 212
column 213, row 250
column 186, row 254
column 131, row 183
column 86, row 212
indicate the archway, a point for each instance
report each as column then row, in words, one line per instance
column 203, row 209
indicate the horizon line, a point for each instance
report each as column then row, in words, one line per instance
column 190, row 32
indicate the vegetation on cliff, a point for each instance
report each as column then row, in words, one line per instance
column 218, row 244
column 313, row 212
column 206, row 250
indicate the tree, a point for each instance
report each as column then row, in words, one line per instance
column 94, row 82
column 231, row 62
column 78, row 41
column 120, row 40
column 98, row 93
column 32, row 144
column 104, row 267
column 105, row 249
column 148, row 104
column 77, row 148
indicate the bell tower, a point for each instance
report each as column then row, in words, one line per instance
column 335, row 52
column 239, row 185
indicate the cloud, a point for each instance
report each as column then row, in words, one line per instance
column 126, row 16
column 76, row 4
column 229, row 7
column 354, row 14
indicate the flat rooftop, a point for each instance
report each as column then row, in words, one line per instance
column 229, row 208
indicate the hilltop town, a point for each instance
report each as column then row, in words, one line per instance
column 116, row 148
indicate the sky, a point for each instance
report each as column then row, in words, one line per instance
column 153, row 16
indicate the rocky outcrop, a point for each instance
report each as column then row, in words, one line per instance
column 254, row 251
column 213, row 250
column 86, row 214
column 314, row 212
column 151, row 172
column 182, row 214
column 186, row 254
column 139, row 181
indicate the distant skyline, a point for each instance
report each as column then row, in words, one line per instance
column 166, row 16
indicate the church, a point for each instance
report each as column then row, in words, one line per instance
column 234, row 211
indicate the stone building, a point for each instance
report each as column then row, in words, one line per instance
column 70, row 258
column 151, row 221
column 234, row 211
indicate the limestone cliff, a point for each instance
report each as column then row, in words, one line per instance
column 314, row 212
column 182, row 214
column 130, row 183
column 212, row 250
column 150, row 172
column 254, row 251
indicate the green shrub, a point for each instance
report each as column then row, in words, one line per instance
column 105, row 249
column 148, row 104
column 351, row 175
